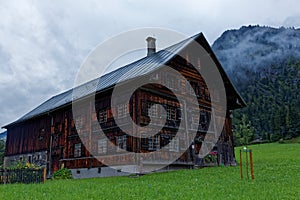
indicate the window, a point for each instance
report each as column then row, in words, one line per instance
column 77, row 150
column 41, row 134
column 30, row 159
column 122, row 110
column 195, row 119
column 102, row 146
column 174, row 144
column 154, row 76
column 207, row 95
column 61, row 152
column 96, row 129
column 153, row 143
column 195, row 89
column 171, row 113
column 121, row 142
column 204, row 119
column 195, row 122
column 152, row 110
column 102, row 116
column 171, row 83
column 79, row 121
column 216, row 95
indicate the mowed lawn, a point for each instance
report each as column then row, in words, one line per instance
column 277, row 176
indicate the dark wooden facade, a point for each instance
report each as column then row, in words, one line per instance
column 57, row 138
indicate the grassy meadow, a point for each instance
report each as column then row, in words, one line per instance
column 276, row 168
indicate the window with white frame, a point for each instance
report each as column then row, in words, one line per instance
column 174, row 144
column 102, row 146
column 195, row 122
column 195, row 119
column 152, row 109
column 121, row 142
column 171, row 113
column 79, row 121
column 153, row 143
column 122, row 110
column 77, row 150
column 102, row 116
column 171, row 83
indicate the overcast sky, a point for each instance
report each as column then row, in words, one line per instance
column 42, row 43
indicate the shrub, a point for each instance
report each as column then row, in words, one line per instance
column 211, row 157
column 62, row 173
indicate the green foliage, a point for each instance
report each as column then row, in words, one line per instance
column 210, row 158
column 243, row 132
column 62, row 173
column 276, row 170
column 24, row 165
column 273, row 101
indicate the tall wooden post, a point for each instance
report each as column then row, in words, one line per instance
column 251, row 165
column 247, row 163
column 241, row 164
column 45, row 174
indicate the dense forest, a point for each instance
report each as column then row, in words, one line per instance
column 264, row 64
column 273, row 103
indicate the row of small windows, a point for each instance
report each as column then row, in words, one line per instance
column 103, row 115
column 157, row 111
column 173, row 83
column 151, row 144
column 154, row 110
column 151, row 109
column 174, row 113
column 122, row 111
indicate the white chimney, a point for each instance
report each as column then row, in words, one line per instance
column 151, row 45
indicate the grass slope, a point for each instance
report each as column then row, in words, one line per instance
column 277, row 176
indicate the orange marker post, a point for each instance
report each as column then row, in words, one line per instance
column 251, row 165
column 241, row 164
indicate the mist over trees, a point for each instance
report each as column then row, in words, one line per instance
column 264, row 64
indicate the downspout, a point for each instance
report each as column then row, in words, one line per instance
column 50, row 148
column 190, row 149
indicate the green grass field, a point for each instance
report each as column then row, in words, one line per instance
column 277, row 176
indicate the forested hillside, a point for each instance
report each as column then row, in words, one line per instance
column 264, row 64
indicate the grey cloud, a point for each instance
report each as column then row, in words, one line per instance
column 42, row 43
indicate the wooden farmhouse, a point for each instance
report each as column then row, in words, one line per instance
column 53, row 136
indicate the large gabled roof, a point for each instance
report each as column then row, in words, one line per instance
column 138, row 68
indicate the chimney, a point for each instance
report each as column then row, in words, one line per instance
column 151, row 45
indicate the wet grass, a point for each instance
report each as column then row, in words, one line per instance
column 277, row 176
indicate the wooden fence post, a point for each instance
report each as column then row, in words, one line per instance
column 45, row 174
column 251, row 165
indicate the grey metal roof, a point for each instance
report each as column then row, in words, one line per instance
column 138, row 68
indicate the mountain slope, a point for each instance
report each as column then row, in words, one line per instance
column 263, row 63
